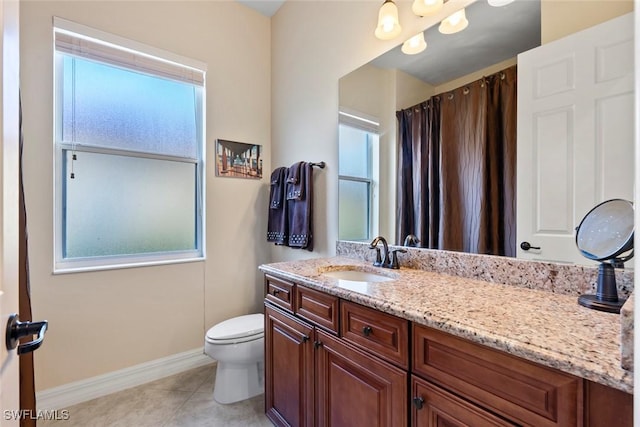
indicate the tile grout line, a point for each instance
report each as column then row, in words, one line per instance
column 175, row 414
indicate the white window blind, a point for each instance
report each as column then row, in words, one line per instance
column 72, row 39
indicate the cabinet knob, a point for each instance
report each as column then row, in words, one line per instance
column 305, row 338
column 367, row 331
column 275, row 292
column 418, row 402
column 317, row 344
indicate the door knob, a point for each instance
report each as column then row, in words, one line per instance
column 525, row 246
column 17, row 329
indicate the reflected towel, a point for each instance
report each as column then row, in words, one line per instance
column 300, row 208
column 277, row 223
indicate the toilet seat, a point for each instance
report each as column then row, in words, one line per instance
column 237, row 330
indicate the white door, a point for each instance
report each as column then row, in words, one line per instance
column 9, row 66
column 575, row 134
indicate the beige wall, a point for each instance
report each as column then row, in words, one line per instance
column 109, row 320
column 411, row 91
column 561, row 18
column 367, row 90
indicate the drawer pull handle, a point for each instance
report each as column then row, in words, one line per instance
column 317, row 344
column 305, row 338
column 275, row 292
column 418, row 402
column 367, row 331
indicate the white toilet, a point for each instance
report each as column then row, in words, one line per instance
column 238, row 346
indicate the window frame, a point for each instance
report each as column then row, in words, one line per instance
column 70, row 265
column 371, row 125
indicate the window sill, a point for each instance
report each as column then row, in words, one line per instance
column 85, row 269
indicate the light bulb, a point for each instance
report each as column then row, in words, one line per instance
column 454, row 23
column 426, row 7
column 415, row 44
column 498, row 3
column 388, row 23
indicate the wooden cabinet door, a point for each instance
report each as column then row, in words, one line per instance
column 355, row 389
column 435, row 407
column 606, row 406
column 288, row 369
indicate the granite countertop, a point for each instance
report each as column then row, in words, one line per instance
column 539, row 326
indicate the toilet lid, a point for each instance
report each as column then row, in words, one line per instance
column 237, row 327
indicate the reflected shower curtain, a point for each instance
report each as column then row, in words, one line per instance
column 475, row 175
column 418, row 195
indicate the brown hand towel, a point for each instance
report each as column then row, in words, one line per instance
column 277, row 223
column 295, row 181
column 300, row 209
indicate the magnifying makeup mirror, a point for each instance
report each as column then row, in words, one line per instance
column 606, row 235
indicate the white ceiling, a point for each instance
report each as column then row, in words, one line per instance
column 265, row 7
column 494, row 34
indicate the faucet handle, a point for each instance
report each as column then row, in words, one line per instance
column 394, row 258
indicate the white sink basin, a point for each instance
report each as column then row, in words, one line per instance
column 357, row 276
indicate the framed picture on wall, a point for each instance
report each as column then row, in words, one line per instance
column 238, row 159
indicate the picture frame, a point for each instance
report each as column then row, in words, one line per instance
column 238, row 159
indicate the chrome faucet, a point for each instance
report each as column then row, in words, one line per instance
column 388, row 259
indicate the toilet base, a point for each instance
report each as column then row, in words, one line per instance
column 236, row 382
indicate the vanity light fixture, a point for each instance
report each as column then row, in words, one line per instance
column 388, row 22
column 499, row 3
column 427, row 7
column 415, row 44
column 454, row 23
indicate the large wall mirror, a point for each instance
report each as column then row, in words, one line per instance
column 372, row 95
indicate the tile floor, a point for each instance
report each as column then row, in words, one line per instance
column 185, row 399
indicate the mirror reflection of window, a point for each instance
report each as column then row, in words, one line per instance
column 358, row 142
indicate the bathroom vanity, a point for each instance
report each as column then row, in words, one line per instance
column 422, row 348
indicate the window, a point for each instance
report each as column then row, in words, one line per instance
column 129, row 162
column 357, row 151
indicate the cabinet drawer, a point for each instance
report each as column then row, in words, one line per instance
column 317, row 307
column 379, row 333
column 279, row 292
column 519, row 390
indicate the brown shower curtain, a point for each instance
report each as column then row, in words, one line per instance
column 471, row 147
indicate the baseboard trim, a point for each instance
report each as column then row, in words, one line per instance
column 80, row 391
